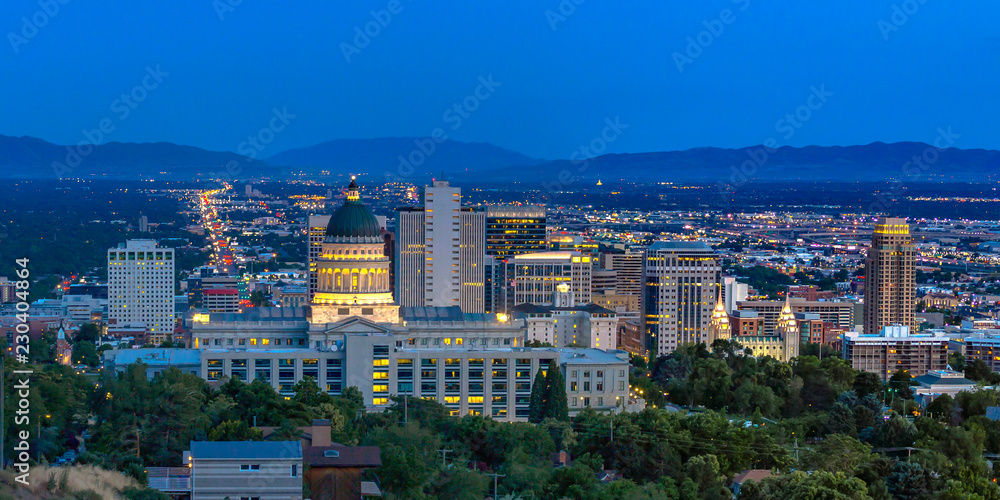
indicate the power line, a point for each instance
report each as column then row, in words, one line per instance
column 444, row 453
column 495, row 477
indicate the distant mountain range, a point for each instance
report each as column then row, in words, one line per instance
column 402, row 157
column 906, row 161
column 417, row 159
column 31, row 158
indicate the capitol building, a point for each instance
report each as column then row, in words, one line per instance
column 354, row 334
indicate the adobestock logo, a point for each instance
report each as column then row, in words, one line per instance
column 456, row 115
column 255, row 143
column 30, row 26
column 900, row 15
column 758, row 156
column 565, row 9
column 714, row 28
column 914, row 170
column 580, row 159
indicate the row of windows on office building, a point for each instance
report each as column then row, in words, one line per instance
column 248, row 370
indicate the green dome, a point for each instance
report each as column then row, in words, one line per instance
column 353, row 219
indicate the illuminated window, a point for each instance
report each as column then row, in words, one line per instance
column 380, row 401
column 452, row 399
column 380, row 362
column 380, row 375
column 476, row 399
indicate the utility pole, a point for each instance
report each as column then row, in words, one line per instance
column 406, row 408
column 796, row 450
column 495, row 477
column 612, row 428
column 3, row 410
column 444, row 453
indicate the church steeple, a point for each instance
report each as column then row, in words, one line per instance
column 786, row 319
column 719, row 327
column 788, row 330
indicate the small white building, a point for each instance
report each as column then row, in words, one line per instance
column 937, row 382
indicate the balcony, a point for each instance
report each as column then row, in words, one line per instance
column 169, row 479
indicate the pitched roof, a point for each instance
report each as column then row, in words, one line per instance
column 931, row 379
column 751, row 474
column 347, row 456
column 246, row 449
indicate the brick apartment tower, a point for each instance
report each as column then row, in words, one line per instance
column 890, row 276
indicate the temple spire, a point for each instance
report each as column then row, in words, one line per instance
column 719, row 327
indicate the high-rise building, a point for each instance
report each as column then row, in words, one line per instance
column 511, row 230
column 143, row 224
column 733, row 292
column 316, row 229
column 221, row 300
column 440, row 250
column 605, row 281
column 890, row 277
column 681, row 288
column 628, row 268
column 514, row 230
column 564, row 241
column 537, row 276
column 8, row 290
column 141, row 288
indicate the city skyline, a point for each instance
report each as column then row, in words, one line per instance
column 499, row 250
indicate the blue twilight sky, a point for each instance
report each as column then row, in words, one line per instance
column 886, row 78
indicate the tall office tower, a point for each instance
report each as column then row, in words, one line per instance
column 891, row 277
column 492, row 289
column 628, row 265
column 316, row 229
column 143, row 224
column 514, row 230
column 471, row 265
column 537, row 276
column 141, row 288
column 511, row 230
column 564, row 241
column 439, row 251
column 733, row 292
column 681, row 279
column 605, row 281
